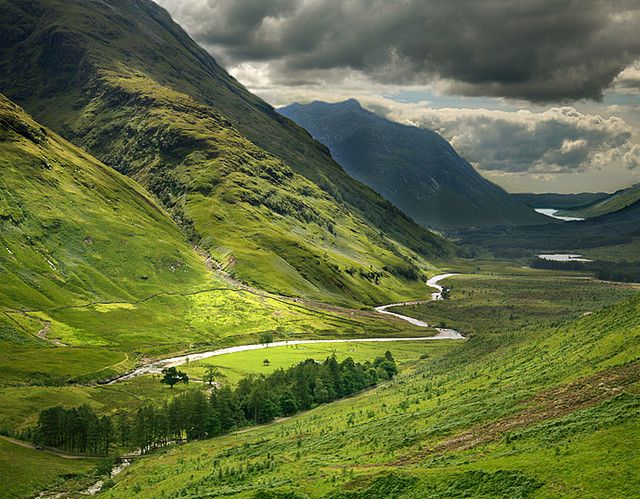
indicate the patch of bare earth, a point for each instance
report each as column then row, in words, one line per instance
column 549, row 404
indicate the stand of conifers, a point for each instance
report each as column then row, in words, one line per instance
column 194, row 415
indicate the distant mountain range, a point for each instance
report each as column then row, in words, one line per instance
column 416, row 169
column 618, row 226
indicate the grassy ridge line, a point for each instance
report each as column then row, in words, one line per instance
column 220, row 183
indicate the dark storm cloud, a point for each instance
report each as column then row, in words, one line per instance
column 539, row 50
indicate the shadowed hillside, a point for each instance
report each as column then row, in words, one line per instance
column 416, row 169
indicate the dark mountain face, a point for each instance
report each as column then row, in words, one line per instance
column 122, row 80
column 417, row 170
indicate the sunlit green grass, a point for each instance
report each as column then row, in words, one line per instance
column 241, row 364
column 492, row 385
column 25, row 472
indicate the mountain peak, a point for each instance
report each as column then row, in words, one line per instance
column 415, row 169
column 350, row 104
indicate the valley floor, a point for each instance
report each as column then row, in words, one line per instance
column 541, row 400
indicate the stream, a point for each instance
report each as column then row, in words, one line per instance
column 443, row 334
column 156, row 367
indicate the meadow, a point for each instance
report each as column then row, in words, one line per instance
column 500, row 302
column 518, row 414
column 31, row 471
column 234, row 367
column 20, row 405
column 513, row 407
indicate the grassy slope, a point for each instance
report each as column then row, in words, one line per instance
column 73, row 232
column 20, row 405
column 509, row 413
column 251, row 187
column 25, row 472
column 617, row 201
column 95, row 274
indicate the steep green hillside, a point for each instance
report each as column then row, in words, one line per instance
column 525, row 412
column 96, row 276
column 416, row 169
column 120, row 79
column 617, row 201
column 74, row 230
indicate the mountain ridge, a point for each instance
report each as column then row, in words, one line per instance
column 415, row 169
column 246, row 184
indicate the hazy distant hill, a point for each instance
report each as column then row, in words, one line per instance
column 560, row 201
column 611, row 203
column 415, row 169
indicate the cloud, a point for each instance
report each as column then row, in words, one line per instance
column 557, row 140
column 629, row 79
column 539, row 50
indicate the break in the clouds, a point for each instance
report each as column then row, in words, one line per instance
column 557, row 140
column 538, row 50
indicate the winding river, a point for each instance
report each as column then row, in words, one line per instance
column 443, row 334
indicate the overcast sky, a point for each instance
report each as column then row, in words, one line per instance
column 539, row 95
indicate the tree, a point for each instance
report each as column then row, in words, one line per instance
column 266, row 362
column 386, row 365
column 266, row 338
column 173, row 376
column 320, row 392
column 212, row 373
column 123, row 427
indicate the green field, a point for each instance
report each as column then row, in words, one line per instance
column 511, row 415
column 239, row 365
column 520, row 324
column 25, row 472
column 151, row 206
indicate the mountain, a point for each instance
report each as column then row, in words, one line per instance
column 560, row 201
column 94, row 275
column 619, row 200
column 416, row 169
column 74, row 230
column 123, row 81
